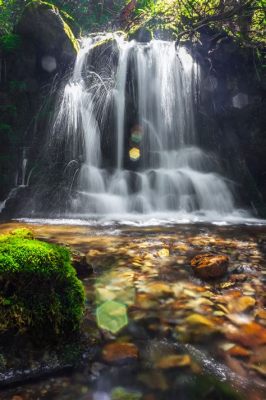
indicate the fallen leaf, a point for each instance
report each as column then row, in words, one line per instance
column 260, row 368
column 241, row 304
column 173, row 361
column 261, row 313
column 157, row 288
column 238, row 351
column 250, row 335
column 197, row 319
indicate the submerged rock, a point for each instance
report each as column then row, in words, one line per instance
column 208, row 265
column 120, row 352
column 79, row 262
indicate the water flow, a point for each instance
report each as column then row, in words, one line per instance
column 120, row 97
column 166, row 170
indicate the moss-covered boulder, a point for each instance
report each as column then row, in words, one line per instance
column 43, row 24
column 141, row 34
column 40, row 293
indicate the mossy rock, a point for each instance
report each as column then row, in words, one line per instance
column 141, row 34
column 40, row 293
column 42, row 24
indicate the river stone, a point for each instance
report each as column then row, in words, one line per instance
column 208, row 265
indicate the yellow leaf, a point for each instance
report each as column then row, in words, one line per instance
column 197, row 319
column 260, row 368
column 241, row 304
column 173, row 361
column 157, row 288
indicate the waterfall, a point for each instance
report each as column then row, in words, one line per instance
column 149, row 100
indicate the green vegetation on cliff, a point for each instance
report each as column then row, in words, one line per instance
column 245, row 20
column 40, row 293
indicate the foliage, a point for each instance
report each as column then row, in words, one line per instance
column 39, row 291
column 89, row 15
column 244, row 19
column 10, row 42
column 92, row 15
column 10, row 11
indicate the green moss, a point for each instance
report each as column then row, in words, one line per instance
column 120, row 393
column 153, row 28
column 22, row 233
column 71, row 36
column 109, row 39
column 141, row 34
column 39, row 291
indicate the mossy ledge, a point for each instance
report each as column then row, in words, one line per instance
column 40, row 294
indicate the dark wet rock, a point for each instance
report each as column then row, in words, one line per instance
column 104, row 52
column 79, row 261
column 46, row 47
column 208, row 265
column 238, row 277
column 39, row 370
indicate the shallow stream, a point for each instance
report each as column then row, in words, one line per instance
column 180, row 337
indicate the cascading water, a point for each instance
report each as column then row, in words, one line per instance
column 157, row 164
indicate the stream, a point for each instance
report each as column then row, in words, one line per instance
column 171, row 335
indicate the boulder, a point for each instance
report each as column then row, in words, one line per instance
column 42, row 24
column 208, row 266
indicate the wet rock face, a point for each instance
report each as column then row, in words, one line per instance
column 208, row 266
column 231, row 117
column 47, row 48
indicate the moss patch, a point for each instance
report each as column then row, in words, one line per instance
column 71, row 36
column 39, row 291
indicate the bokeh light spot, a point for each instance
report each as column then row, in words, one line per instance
column 134, row 154
column 49, row 63
column 163, row 252
column 112, row 316
column 136, row 134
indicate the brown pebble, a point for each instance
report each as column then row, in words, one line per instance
column 120, row 352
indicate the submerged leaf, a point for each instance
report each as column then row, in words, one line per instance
column 173, row 361
column 197, row 319
column 241, row 304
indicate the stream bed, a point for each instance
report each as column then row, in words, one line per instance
column 170, row 335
